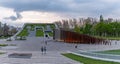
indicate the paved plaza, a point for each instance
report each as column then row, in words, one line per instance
column 54, row 49
column 33, row 45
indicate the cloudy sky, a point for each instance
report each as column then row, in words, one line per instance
column 17, row 12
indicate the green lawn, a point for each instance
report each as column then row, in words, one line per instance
column 39, row 33
column 4, row 37
column 52, row 26
column 109, row 38
column 50, row 34
column 33, row 25
column 23, row 33
column 43, row 25
column 3, row 44
column 85, row 60
column 2, row 53
column 32, row 28
column 116, row 52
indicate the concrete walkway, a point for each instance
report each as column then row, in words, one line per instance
column 33, row 45
column 37, row 58
column 32, row 33
column 54, row 50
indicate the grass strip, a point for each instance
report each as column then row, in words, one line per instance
column 23, row 33
column 50, row 34
column 114, row 52
column 39, row 33
column 86, row 60
column 109, row 38
column 3, row 44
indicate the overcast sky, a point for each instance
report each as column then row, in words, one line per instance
column 17, row 12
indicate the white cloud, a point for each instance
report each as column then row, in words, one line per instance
column 45, row 17
column 6, row 12
column 110, row 1
column 35, row 17
column 52, row 10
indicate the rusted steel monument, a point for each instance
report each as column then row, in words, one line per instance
column 73, row 37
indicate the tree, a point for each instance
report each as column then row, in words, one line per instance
column 5, row 30
column 77, row 29
column 87, row 29
column 65, row 24
column 100, row 28
column 115, row 28
column 59, row 24
column 101, row 18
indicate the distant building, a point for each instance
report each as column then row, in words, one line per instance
column 6, row 30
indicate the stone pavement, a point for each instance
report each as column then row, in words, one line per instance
column 54, row 50
column 31, row 33
column 33, row 45
column 37, row 58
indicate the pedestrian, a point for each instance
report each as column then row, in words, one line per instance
column 76, row 46
column 115, row 42
column 46, row 42
column 42, row 49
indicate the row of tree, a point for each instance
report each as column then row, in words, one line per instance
column 102, row 28
column 91, row 26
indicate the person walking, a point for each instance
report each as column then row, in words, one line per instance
column 76, row 46
column 42, row 50
column 46, row 42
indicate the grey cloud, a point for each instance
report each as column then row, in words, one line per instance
column 14, row 18
column 94, row 7
column 18, row 15
column 51, row 5
column 36, row 5
column 11, row 18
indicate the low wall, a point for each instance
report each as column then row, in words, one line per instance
column 73, row 37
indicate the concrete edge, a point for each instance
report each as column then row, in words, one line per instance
column 104, row 59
